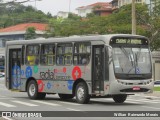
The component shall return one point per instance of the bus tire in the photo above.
(119, 98)
(65, 96)
(32, 91)
(81, 92)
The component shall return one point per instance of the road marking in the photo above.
(6, 105)
(144, 100)
(111, 100)
(6, 98)
(2, 96)
(47, 103)
(23, 103)
(69, 103)
(73, 109)
(150, 107)
(7, 118)
(146, 96)
(127, 101)
(151, 97)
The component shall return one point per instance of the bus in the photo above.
(1, 63)
(84, 67)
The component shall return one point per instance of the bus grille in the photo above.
(131, 90)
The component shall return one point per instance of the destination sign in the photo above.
(129, 41)
(132, 41)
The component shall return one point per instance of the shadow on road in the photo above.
(92, 102)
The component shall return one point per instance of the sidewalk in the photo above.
(154, 94)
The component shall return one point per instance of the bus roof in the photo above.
(105, 38)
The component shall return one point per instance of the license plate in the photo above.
(136, 88)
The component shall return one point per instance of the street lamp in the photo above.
(133, 18)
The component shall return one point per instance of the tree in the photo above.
(73, 16)
(16, 13)
(118, 22)
(154, 27)
(30, 33)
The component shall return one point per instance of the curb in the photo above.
(155, 94)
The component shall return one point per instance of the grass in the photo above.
(156, 88)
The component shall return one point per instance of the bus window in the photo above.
(48, 54)
(32, 53)
(1, 63)
(64, 54)
(82, 53)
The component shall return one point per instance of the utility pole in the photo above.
(69, 6)
(133, 18)
(35, 2)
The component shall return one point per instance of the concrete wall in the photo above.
(156, 64)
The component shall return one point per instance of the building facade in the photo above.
(156, 64)
(125, 2)
(120, 3)
(18, 32)
(99, 8)
(62, 14)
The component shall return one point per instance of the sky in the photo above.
(54, 6)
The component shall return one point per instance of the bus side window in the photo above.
(32, 55)
(82, 53)
(64, 54)
(48, 54)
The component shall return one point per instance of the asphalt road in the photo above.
(16, 101)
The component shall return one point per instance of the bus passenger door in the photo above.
(15, 68)
(98, 68)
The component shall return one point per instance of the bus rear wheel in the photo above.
(65, 96)
(119, 98)
(32, 91)
(81, 92)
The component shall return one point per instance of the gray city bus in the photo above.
(84, 67)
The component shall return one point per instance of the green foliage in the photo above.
(90, 15)
(30, 33)
(118, 22)
(148, 22)
(153, 27)
(16, 13)
(73, 16)
(156, 88)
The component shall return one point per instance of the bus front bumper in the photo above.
(131, 87)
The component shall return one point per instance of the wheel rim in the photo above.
(32, 89)
(80, 93)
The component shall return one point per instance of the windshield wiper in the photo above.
(126, 54)
(138, 56)
(132, 61)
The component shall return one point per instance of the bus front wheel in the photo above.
(82, 95)
(32, 90)
(119, 98)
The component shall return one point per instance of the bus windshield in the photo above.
(132, 61)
